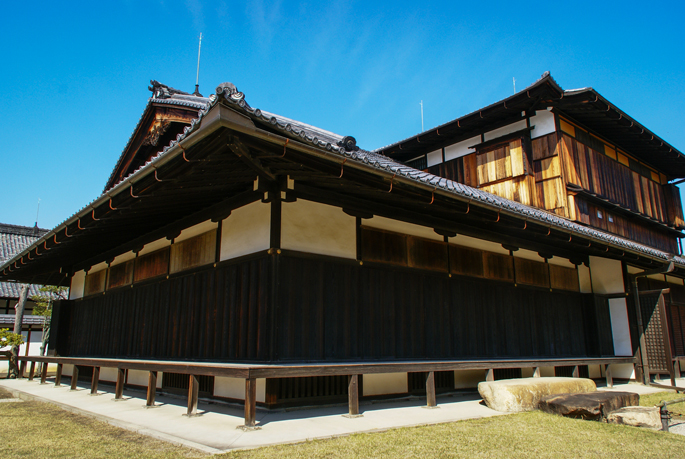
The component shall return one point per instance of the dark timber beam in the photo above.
(353, 396)
(119, 389)
(32, 371)
(43, 373)
(250, 402)
(431, 401)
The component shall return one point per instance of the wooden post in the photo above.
(193, 390)
(22, 365)
(353, 395)
(536, 372)
(94, 381)
(58, 375)
(430, 390)
(151, 388)
(609, 376)
(119, 389)
(74, 377)
(490, 375)
(44, 373)
(576, 372)
(676, 367)
(32, 371)
(250, 402)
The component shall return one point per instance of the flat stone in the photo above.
(524, 394)
(595, 405)
(637, 416)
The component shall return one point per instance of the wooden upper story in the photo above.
(568, 152)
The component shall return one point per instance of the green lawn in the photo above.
(678, 409)
(43, 430)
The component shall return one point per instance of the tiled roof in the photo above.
(14, 239)
(28, 319)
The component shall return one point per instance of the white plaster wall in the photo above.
(77, 283)
(99, 267)
(504, 130)
(659, 277)
(481, 244)
(528, 255)
(386, 383)
(110, 375)
(196, 230)
(467, 379)
(247, 230)
(235, 388)
(401, 227)
(674, 280)
(584, 279)
(434, 157)
(633, 270)
(527, 372)
(546, 372)
(543, 122)
(67, 370)
(34, 344)
(594, 371)
(561, 261)
(155, 245)
(620, 329)
(124, 257)
(623, 371)
(312, 227)
(461, 148)
(137, 377)
(607, 275)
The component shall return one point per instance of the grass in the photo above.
(678, 409)
(43, 430)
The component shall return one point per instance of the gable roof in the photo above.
(585, 106)
(213, 178)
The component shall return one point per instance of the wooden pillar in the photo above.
(151, 388)
(44, 373)
(430, 390)
(353, 395)
(94, 381)
(22, 368)
(250, 402)
(490, 375)
(193, 390)
(119, 389)
(58, 376)
(74, 377)
(32, 371)
(536, 372)
(609, 376)
(576, 372)
(676, 368)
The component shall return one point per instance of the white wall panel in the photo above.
(196, 230)
(620, 328)
(504, 130)
(77, 283)
(461, 148)
(481, 244)
(402, 227)
(318, 228)
(385, 383)
(155, 245)
(607, 275)
(543, 123)
(434, 157)
(247, 230)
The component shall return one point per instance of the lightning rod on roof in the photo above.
(514, 85)
(421, 116)
(37, 210)
(197, 77)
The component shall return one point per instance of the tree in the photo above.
(11, 340)
(43, 307)
(18, 321)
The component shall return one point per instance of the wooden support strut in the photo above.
(430, 390)
(576, 372)
(94, 381)
(490, 375)
(58, 375)
(151, 389)
(353, 395)
(609, 375)
(536, 372)
(43, 373)
(32, 371)
(193, 390)
(119, 389)
(250, 402)
(74, 377)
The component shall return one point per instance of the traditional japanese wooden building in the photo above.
(513, 233)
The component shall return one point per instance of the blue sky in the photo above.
(74, 76)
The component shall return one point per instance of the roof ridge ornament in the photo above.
(162, 91)
(349, 143)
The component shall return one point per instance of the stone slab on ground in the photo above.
(524, 394)
(593, 405)
(637, 416)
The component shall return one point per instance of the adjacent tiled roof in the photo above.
(14, 239)
(28, 319)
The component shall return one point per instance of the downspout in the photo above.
(644, 363)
